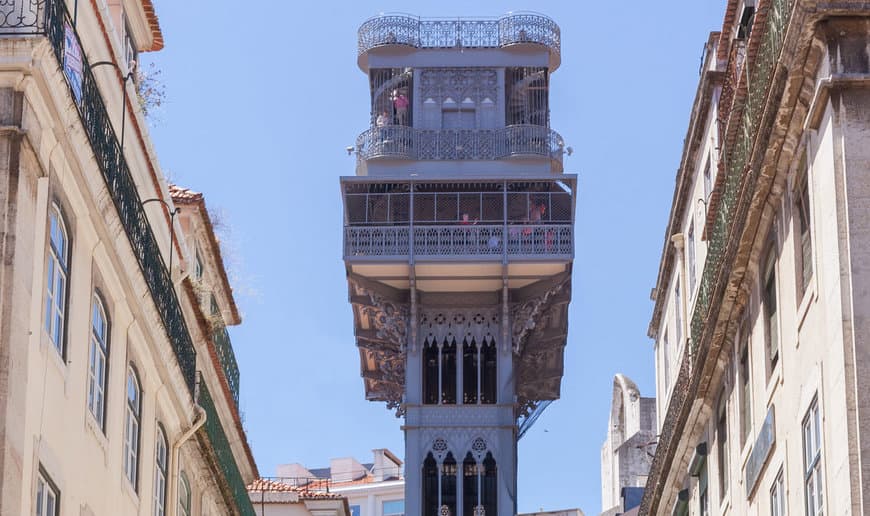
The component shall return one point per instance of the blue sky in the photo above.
(263, 98)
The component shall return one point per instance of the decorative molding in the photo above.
(458, 84)
(460, 325)
(526, 315)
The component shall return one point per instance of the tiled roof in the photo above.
(183, 195)
(308, 491)
(153, 24)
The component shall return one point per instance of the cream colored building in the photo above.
(761, 324)
(118, 385)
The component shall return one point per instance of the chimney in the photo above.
(386, 465)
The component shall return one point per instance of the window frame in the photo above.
(161, 471)
(723, 458)
(769, 290)
(803, 228)
(57, 262)
(132, 415)
(44, 484)
(98, 344)
(184, 495)
(777, 495)
(384, 507)
(811, 424)
(744, 381)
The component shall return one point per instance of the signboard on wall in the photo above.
(760, 451)
(72, 61)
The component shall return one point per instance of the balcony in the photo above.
(227, 358)
(486, 221)
(415, 32)
(410, 143)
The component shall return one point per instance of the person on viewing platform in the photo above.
(383, 119)
(400, 103)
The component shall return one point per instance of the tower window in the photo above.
(479, 363)
(439, 373)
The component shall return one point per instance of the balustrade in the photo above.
(397, 141)
(514, 28)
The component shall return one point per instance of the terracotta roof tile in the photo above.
(153, 24)
(183, 195)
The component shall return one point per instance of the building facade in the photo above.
(118, 393)
(760, 320)
(458, 245)
(628, 450)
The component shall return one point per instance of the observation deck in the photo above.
(517, 30)
(398, 142)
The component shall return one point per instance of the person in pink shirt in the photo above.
(400, 103)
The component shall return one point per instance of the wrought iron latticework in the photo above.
(750, 69)
(223, 454)
(511, 29)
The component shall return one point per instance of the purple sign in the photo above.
(72, 61)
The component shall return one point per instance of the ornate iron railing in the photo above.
(227, 358)
(50, 18)
(214, 431)
(476, 241)
(402, 29)
(397, 141)
(58, 27)
(739, 184)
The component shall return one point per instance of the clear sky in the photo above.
(262, 99)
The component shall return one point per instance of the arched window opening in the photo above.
(471, 479)
(470, 372)
(439, 373)
(160, 470)
(489, 362)
(183, 496)
(479, 372)
(57, 276)
(448, 373)
(448, 487)
(98, 355)
(132, 428)
(430, 374)
(490, 485)
(430, 486)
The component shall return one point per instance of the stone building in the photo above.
(628, 450)
(118, 384)
(458, 246)
(760, 322)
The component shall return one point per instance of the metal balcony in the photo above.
(402, 142)
(416, 32)
(477, 221)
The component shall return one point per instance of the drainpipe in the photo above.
(171, 502)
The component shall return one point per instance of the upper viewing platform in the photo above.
(518, 32)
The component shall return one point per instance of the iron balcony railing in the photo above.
(740, 181)
(480, 242)
(227, 358)
(398, 141)
(51, 19)
(510, 29)
(216, 435)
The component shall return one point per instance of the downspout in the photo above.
(171, 502)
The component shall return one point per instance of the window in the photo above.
(131, 428)
(666, 361)
(354, 510)
(690, 257)
(183, 495)
(97, 360)
(678, 314)
(804, 251)
(744, 383)
(526, 96)
(439, 378)
(777, 496)
(160, 470)
(394, 508)
(722, 444)
(57, 276)
(439, 485)
(708, 180)
(197, 264)
(812, 441)
(478, 371)
(703, 498)
(771, 321)
(131, 52)
(47, 496)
